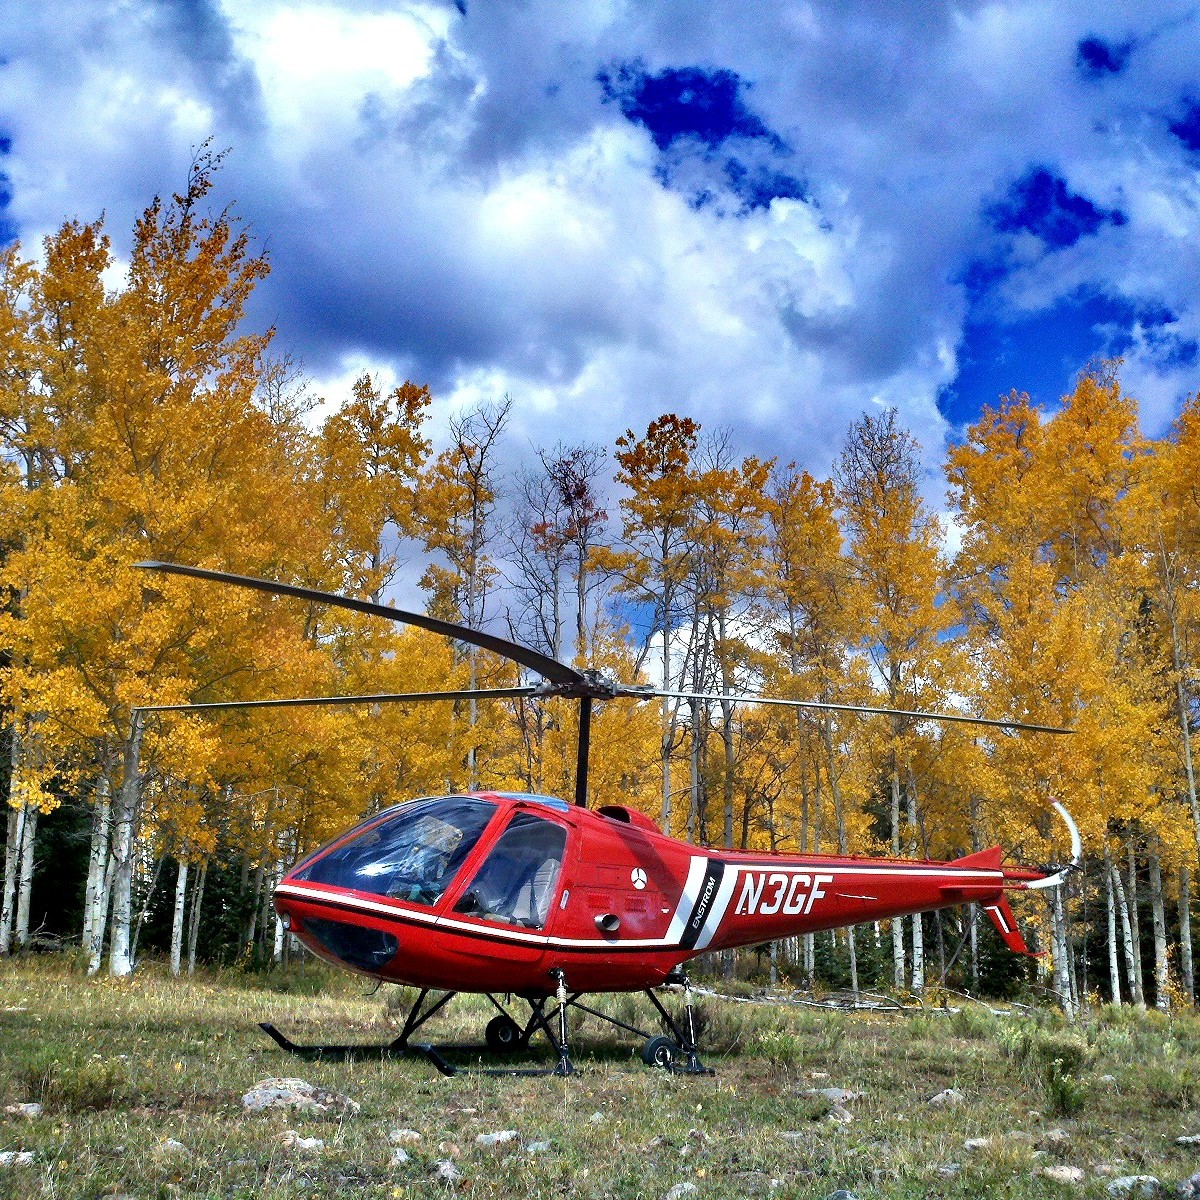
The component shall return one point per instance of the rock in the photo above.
(404, 1137)
(172, 1146)
(1109, 1079)
(1188, 1139)
(841, 1194)
(1064, 1174)
(16, 1158)
(23, 1110)
(1136, 1187)
(682, 1189)
(500, 1138)
(834, 1094)
(299, 1095)
(538, 1147)
(1053, 1138)
(291, 1140)
(1189, 1189)
(949, 1096)
(948, 1170)
(795, 1135)
(444, 1171)
(399, 1157)
(449, 1149)
(818, 1074)
(840, 1115)
(1019, 1135)
(597, 1118)
(976, 1144)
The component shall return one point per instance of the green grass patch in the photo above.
(141, 1083)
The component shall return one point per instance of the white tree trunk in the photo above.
(12, 860)
(918, 926)
(177, 917)
(898, 956)
(1131, 963)
(120, 960)
(12, 843)
(103, 903)
(25, 876)
(1135, 917)
(1061, 951)
(278, 930)
(194, 917)
(1110, 901)
(1185, 934)
(1162, 973)
(93, 916)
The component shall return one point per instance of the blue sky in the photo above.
(769, 217)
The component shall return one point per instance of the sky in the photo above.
(769, 217)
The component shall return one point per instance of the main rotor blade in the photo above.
(851, 708)
(543, 664)
(383, 698)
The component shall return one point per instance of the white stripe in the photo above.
(691, 890)
(1001, 919)
(715, 914)
(498, 932)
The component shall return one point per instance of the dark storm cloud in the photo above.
(198, 34)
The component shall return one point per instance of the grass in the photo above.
(125, 1068)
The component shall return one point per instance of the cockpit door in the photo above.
(513, 894)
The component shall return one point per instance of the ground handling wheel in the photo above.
(660, 1052)
(502, 1034)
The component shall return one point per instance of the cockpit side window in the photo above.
(412, 856)
(518, 878)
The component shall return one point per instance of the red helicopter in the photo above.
(522, 895)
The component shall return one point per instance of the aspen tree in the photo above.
(652, 559)
(895, 547)
(458, 522)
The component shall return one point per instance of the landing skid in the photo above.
(677, 1052)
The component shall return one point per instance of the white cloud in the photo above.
(451, 197)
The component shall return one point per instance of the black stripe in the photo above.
(713, 871)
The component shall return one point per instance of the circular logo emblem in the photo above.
(638, 878)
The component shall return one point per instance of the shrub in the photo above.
(74, 1085)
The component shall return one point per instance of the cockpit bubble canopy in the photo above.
(412, 855)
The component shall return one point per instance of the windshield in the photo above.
(413, 855)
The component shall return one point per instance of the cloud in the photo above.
(610, 211)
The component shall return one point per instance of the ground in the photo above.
(141, 1081)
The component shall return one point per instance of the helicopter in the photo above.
(522, 895)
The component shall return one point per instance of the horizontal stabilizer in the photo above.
(1006, 926)
(989, 858)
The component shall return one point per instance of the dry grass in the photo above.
(122, 1068)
